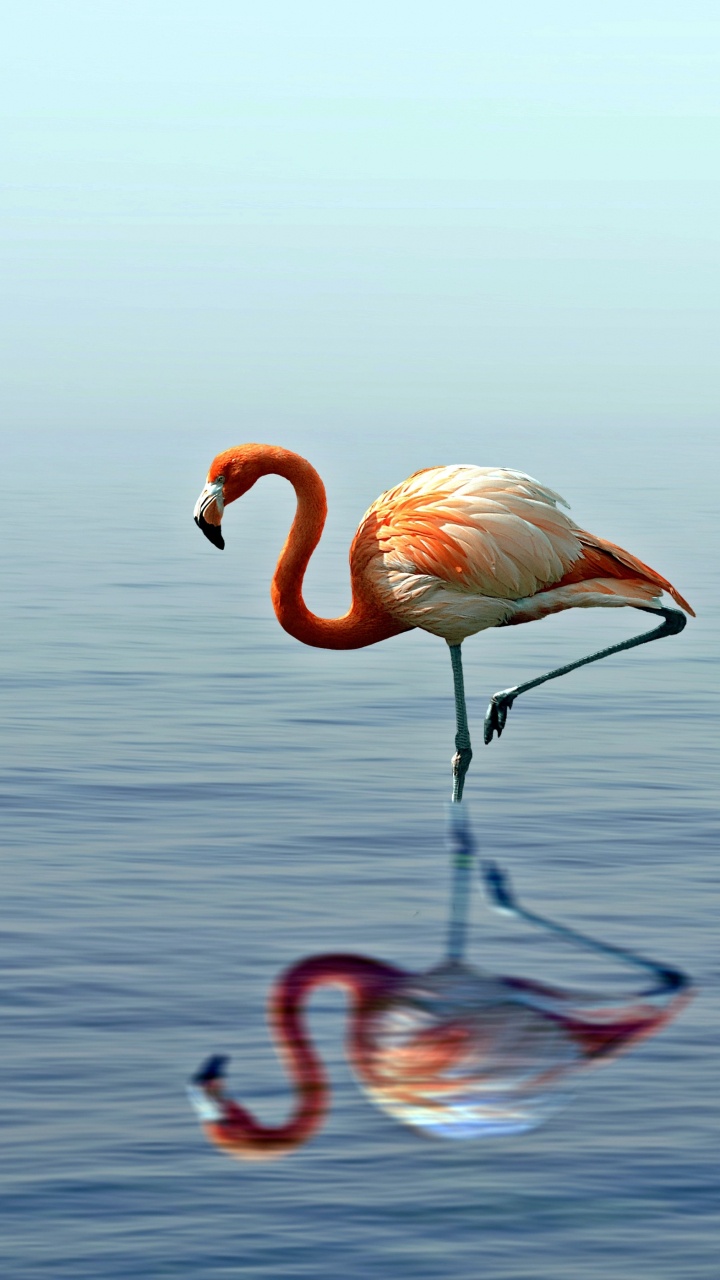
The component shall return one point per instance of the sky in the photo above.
(367, 218)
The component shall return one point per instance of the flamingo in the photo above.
(457, 1052)
(452, 550)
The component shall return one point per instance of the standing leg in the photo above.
(463, 750)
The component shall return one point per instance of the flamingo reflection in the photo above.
(456, 1052)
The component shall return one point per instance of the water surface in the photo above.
(191, 801)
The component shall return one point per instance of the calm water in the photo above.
(191, 801)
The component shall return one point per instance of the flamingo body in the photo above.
(453, 1053)
(453, 550)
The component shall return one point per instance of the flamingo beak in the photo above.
(205, 1088)
(209, 510)
(207, 1110)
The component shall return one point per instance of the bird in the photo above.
(452, 550)
(456, 1052)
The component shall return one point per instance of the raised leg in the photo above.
(500, 703)
(502, 898)
(463, 750)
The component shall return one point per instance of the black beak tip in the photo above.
(212, 1069)
(212, 532)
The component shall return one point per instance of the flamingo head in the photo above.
(231, 475)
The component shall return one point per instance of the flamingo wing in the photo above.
(453, 547)
(455, 550)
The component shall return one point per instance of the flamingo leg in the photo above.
(462, 852)
(502, 898)
(463, 750)
(501, 702)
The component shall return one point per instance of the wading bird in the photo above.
(453, 1053)
(453, 550)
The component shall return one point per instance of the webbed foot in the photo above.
(496, 714)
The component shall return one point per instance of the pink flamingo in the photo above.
(453, 1053)
(453, 550)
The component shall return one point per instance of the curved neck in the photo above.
(365, 622)
(365, 980)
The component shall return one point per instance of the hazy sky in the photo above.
(360, 215)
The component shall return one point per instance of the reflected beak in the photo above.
(207, 1110)
(208, 512)
(205, 1088)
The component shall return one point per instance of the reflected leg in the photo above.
(502, 898)
(462, 852)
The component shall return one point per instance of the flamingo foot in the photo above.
(496, 714)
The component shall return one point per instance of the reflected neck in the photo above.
(365, 980)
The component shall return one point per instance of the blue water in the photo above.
(192, 800)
